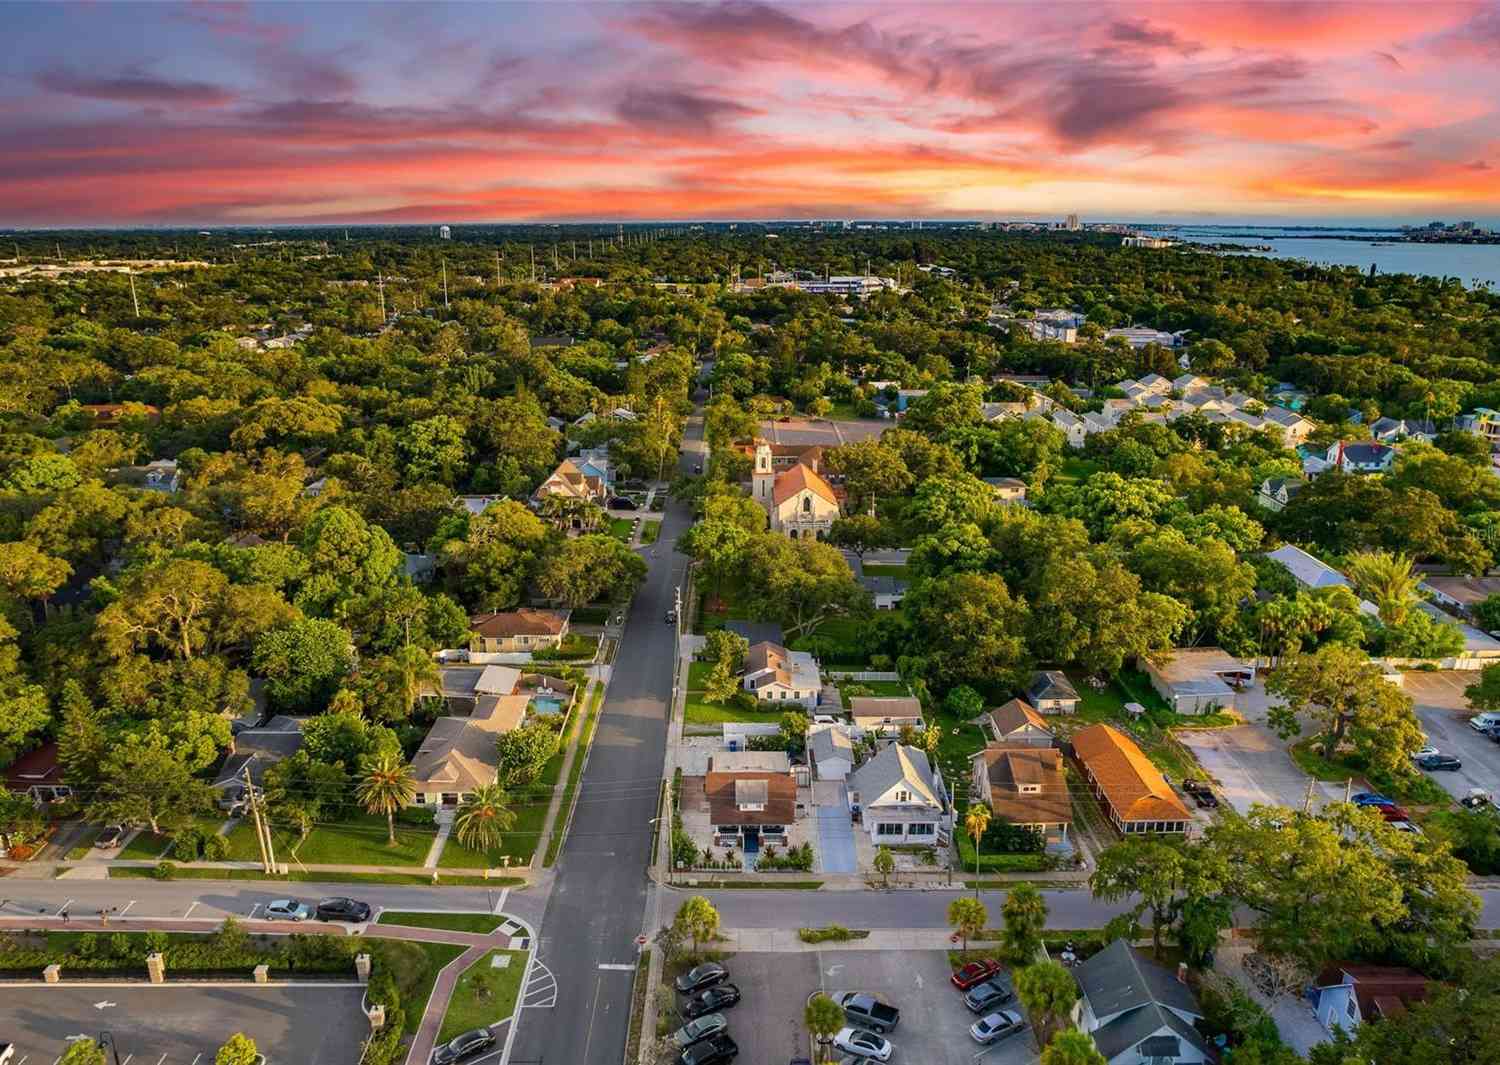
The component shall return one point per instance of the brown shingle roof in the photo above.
(1013, 715)
(797, 478)
(522, 622)
(780, 798)
(1133, 786)
(1009, 768)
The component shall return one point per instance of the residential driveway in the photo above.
(835, 827)
(1445, 713)
(179, 1025)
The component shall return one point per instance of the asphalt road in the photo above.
(175, 1024)
(599, 895)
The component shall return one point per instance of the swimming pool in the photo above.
(547, 704)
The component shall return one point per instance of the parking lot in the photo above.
(934, 1027)
(176, 1024)
(1445, 713)
(821, 431)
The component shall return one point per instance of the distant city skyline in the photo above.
(1216, 113)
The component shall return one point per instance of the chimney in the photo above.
(1182, 972)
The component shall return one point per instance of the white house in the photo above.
(1276, 492)
(1137, 1013)
(1361, 458)
(775, 674)
(1051, 692)
(901, 797)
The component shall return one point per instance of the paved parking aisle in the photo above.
(174, 1024)
(1445, 713)
(934, 1028)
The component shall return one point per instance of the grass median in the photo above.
(484, 994)
(575, 774)
(482, 923)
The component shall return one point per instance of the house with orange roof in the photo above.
(799, 501)
(1135, 796)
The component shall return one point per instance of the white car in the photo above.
(287, 910)
(1423, 752)
(866, 1044)
(996, 1026)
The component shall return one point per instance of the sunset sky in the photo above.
(116, 113)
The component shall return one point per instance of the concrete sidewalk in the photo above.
(785, 941)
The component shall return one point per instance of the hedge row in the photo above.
(215, 953)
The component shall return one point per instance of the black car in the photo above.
(710, 1000)
(1205, 799)
(342, 909)
(1439, 761)
(988, 995)
(622, 503)
(463, 1047)
(705, 975)
(715, 1051)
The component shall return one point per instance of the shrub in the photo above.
(164, 871)
(119, 945)
(215, 848)
(798, 858)
(417, 816)
(834, 933)
(187, 845)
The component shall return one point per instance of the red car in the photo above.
(975, 973)
(1394, 813)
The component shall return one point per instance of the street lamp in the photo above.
(108, 1040)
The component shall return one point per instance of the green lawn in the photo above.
(698, 675)
(885, 569)
(146, 847)
(877, 687)
(589, 615)
(1415, 789)
(483, 923)
(650, 531)
(85, 843)
(415, 967)
(468, 1008)
(519, 844)
(358, 841)
(575, 774)
(698, 712)
(1075, 469)
(575, 647)
(1154, 741)
(621, 529)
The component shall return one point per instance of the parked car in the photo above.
(1370, 798)
(287, 910)
(342, 909)
(996, 1026)
(462, 1047)
(1204, 799)
(1424, 751)
(1407, 826)
(671, 617)
(868, 1011)
(714, 1051)
(975, 973)
(859, 1041)
(697, 467)
(991, 993)
(700, 1029)
(1393, 813)
(706, 975)
(710, 1000)
(110, 838)
(622, 503)
(1477, 799)
(1484, 722)
(1436, 762)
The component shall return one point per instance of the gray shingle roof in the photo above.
(1118, 978)
(894, 765)
(1050, 684)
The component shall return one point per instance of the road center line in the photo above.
(593, 1010)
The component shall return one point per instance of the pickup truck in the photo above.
(867, 1011)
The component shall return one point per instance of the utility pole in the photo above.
(1307, 800)
(262, 830)
(1348, 788)
(135, 302)
(445, 284)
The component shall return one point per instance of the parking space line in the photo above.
(126, 910)
(200, 1053)
(190, 909)
(161, 1059)
(127, 1058)
(500, 902)
(252, 911)
(62, 908)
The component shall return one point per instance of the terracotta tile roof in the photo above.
(1008, 769)
(797, 478)
(522, 622)
(724, 791)
(1131, 784)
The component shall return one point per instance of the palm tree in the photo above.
(976, 824)
(417, 669)
(1388, 580)
(386, 788)
(484, 815)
